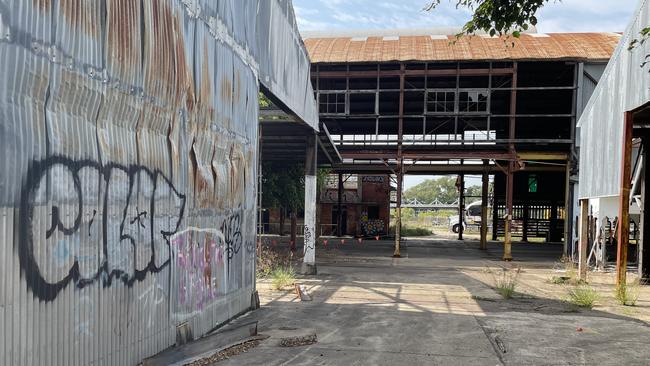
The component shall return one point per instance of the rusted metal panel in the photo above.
(128, 145)
(552, 46)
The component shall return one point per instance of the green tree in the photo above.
(283, 187)
(442, 189)
(498, 17)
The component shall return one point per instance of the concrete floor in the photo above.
(435, 306)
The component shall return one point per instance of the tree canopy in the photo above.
(442, 189)
(283, 186)
(498, 17)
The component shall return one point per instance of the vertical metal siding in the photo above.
(128, 146)
(623, 87)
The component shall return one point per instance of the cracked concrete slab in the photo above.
(435, 306)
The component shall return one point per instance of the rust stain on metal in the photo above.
(553, 46)
(226, 90)
(205, 110)
(123, 33)
(184, 82)
(237, 180)
(160, 51)
(81, 15)
(43, 4)
(237, 87)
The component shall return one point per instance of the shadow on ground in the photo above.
(424, 308)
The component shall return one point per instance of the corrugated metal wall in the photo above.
(624, 86)
(128, 150)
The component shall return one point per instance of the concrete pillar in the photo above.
(309, 244)
(583, 243)
(484, 205)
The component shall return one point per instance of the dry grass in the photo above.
(505, 280)
(583, 296)
(282, 277)
(628, 294)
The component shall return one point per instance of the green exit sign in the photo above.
(532, 183)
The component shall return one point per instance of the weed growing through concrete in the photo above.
(282, 277)
(628, 294)
(560, 280)
(583, 296)
(505, 280)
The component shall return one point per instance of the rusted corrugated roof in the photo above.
(551, 46)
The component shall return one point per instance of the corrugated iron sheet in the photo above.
(128, 146)
(623, 87)
(552, 46)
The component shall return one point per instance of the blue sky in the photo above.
(564, 16)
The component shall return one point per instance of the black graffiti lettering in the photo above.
(308, 240)
(231, 229)
(139, 219)
(128, 252)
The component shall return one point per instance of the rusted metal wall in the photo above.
(128, 150)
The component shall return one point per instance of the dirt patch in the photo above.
(298, 341)
(226, 353)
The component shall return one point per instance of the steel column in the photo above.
(644, 250)
(624, 203)
(461, 204)
(400, 171)
(339, 207)
(507, 245)
(484, 205)
(584, 239)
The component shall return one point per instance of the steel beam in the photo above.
(428, 72)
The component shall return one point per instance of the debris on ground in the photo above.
(500, 344)
(298, 341)
(301, 292)
(226, 353)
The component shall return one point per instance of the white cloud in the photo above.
(563, 16)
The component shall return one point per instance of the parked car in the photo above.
(471, 216)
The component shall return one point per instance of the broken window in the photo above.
(473, 101)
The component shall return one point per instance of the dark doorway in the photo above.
(266, 222)
(344, 221)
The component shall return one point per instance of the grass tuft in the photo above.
(505, 281)
(628, 294)
(282, 277)
(583, 296)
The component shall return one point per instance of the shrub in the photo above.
(583, 296)
(505, 281)
(628, 294)
(282, 277)
(411, 231)
(561, 280)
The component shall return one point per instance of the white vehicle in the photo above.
(472, 216)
